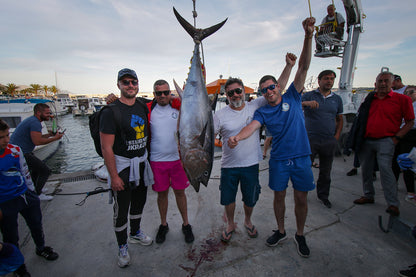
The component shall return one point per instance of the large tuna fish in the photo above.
(196, 128)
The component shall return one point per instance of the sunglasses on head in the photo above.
(230, 93)
(127, 82)
(165, 92)
(271, 87)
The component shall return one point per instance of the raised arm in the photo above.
(244, 133)
(305, 56)
(290, 63)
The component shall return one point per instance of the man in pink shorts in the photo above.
(164, 158)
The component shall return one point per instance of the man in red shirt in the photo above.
(387, 111)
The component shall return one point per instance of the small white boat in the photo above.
(64, 102)
(14, 113)
(83, 107)
(98, 103)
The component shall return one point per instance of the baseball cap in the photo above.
(397, 77)
(126, 72)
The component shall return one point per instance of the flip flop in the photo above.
(225, 235)
(316, 165)
(252, 232)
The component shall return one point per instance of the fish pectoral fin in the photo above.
(213, 101)
(201, 138)
(178, 89)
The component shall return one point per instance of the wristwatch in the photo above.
(397, 137)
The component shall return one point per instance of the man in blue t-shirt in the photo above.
(27, 135)
(323, 119)
(289, 158)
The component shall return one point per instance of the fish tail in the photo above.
(197, 34)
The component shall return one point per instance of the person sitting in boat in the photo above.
(27, 135)
(332, 23)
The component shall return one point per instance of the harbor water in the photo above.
(76, 152)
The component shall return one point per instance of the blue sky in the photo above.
(86, 42)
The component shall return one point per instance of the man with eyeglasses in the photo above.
(164, 158)
(241, 165)
(290, 154)
(124, 148)
(323, 120)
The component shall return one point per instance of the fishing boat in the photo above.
(16, 110)
(65, 102)
(98, 103)
(84, 106)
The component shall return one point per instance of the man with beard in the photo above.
(124, 148)
(241, 165)
(27, 135)
(323, 121)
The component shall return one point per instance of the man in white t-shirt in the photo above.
(241, 164)
(398, 85)
(164, 158)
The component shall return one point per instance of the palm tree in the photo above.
(45, 89)
(53, 89)
(35, 88)
(11, 88)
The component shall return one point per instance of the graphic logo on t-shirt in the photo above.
(137, 123)
(174, 115)
(285, 107)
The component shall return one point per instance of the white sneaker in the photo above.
(123, 256)
(140, 237)
(44, 197)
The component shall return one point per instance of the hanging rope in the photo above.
(195, 14)
(310, 11)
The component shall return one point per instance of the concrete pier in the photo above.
(344, 240)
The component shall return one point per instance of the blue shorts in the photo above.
(298, 170)
(248, 177)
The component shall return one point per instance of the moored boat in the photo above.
(14, 113)
(84, 106)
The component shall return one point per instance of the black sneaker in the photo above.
(22, 271)
(161, 234)
(187, 231)
(274, 239)
(47, 253)
(326, 203)
(352, 172)
(303, 249)
(408, 272)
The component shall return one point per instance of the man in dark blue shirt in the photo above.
(323, 120)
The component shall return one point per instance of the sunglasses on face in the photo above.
(230, 93)
(165, 92)
(127, 82)
(271, 87)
